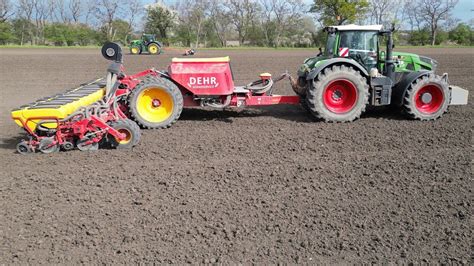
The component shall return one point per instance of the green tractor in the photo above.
(353, 72)
(147, 43)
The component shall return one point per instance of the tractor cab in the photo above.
(357, 42)
(148, 38)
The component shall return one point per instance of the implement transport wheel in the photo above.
(23, 148)
(427, 98)
(135, 50)
(153, 48)
(338, 94)
(155, 103)
(131, 131)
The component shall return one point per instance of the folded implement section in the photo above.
(58, 106)
(82, 117)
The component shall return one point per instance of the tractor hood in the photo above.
(310, 63)
(415, 62)
(135, 42)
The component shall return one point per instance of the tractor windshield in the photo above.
(330, 43)
(362, 46)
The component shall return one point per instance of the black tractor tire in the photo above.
(338, 94)
(172, 101)
(154, 48)
(131, 129)
(427, 98)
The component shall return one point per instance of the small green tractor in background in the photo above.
(354, 72)
(147, 43)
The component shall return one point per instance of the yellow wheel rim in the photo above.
(135, 50)
(153, 49)
(155, 105)
(128, 136)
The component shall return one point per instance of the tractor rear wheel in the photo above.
(155, 103)
(338, 94)
(131, 131)
(135, 50)
(153, 48)
(427, 98)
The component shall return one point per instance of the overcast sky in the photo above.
(463, 10)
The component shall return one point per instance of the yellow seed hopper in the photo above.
(59, 106)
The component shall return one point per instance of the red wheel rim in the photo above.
(429, 99)
(340, 96)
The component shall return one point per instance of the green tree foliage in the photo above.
(462, 34)
(60, 34)
(338, 12)
(6, 33)
(120, 32)
(21, 29)
(419, 37)
(159, 21)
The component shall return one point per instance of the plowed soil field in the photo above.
(262, 185)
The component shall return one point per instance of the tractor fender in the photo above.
(401, 87)
(157, 43)
(339, 61)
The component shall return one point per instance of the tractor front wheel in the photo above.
(135, 50)
(427, 98)
(131, 131)
(153, 48)
(338, 94)
(155, 103)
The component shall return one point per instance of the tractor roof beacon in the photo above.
(354, 71)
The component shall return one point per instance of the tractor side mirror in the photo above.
(112, 51)
(320, 51)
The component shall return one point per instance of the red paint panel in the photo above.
(203, 78)
(271, 100)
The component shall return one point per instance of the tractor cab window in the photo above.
(330, 43)
(147, 38)
(359, 45)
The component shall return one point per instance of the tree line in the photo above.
(221, 23)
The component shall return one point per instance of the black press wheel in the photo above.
(131, 131)
(23, 148)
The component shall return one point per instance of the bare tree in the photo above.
(267, 19)
(75, 7)
(243, 14)
(287, 14)
(279, 16)
(6, 10)
(193, 14)
(381, 10)
(106, 11)
(434, 11)
(221, 21)
(41, 15)
(411, 12)
(25, 11)
(135, 8)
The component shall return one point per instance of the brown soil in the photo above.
(252, 186)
